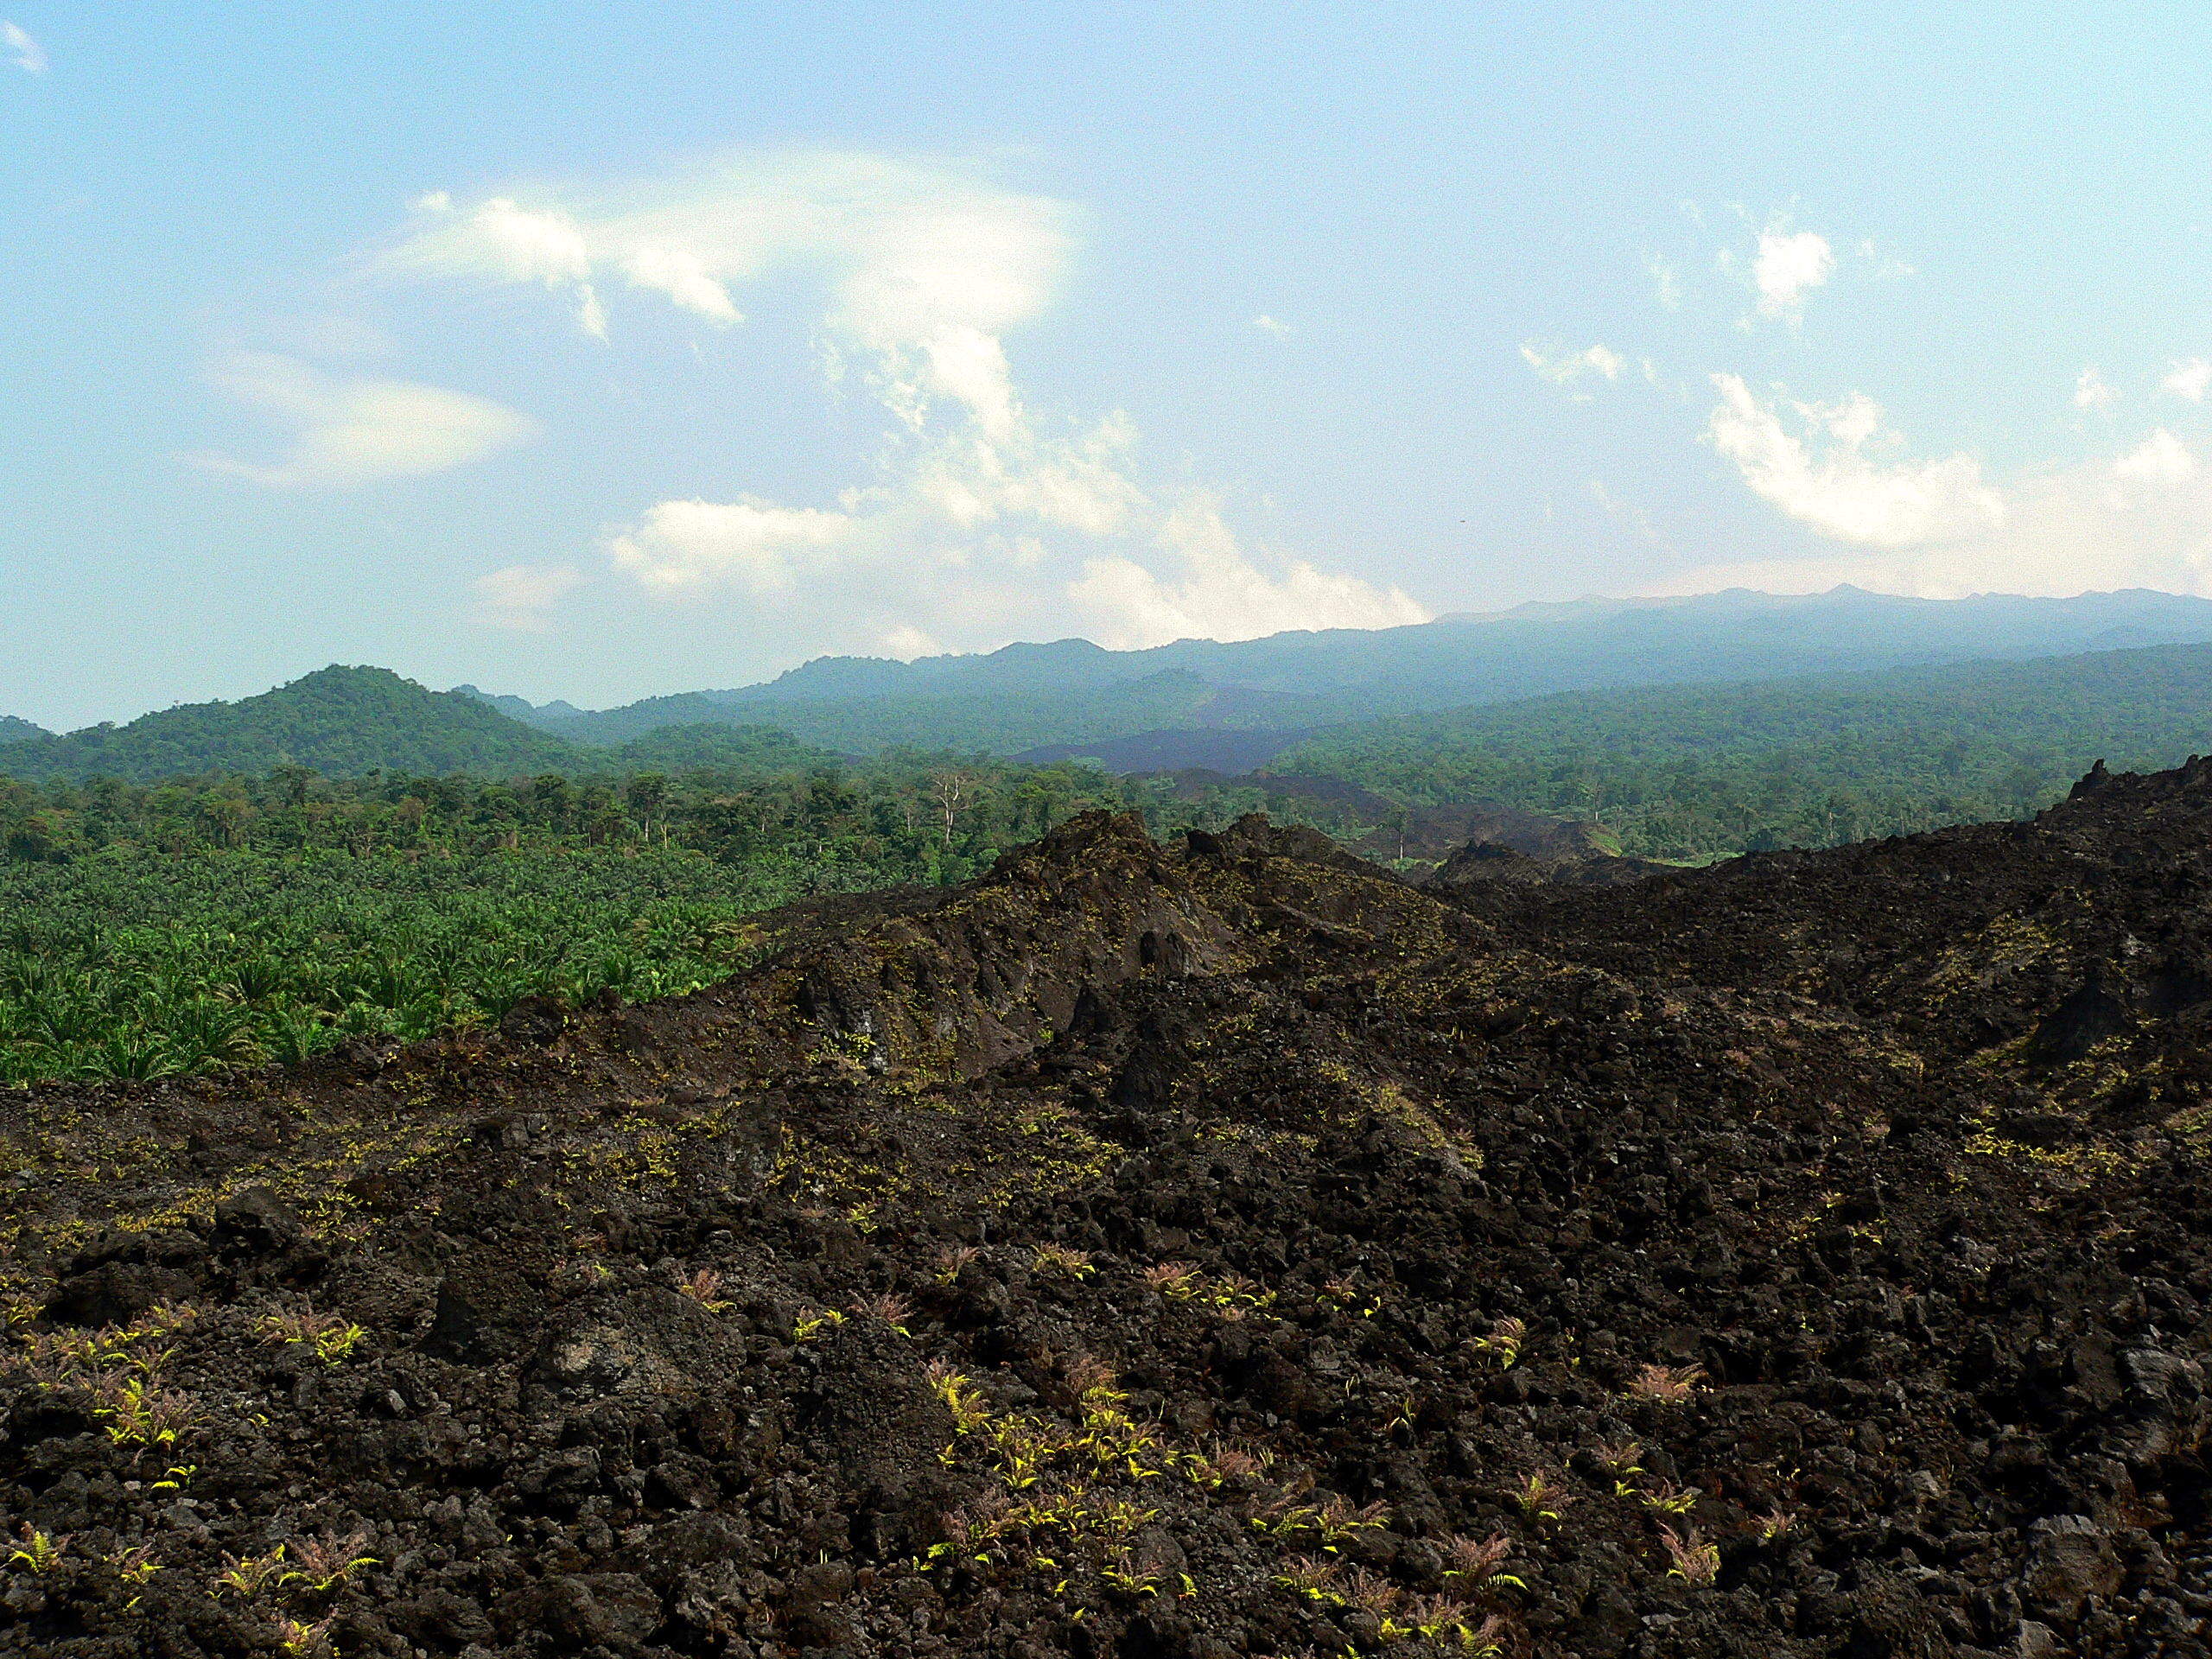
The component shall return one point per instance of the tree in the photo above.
(950, 789)
(291, 782)
(549, 792)
(647, 790)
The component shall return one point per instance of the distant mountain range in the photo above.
(1195, 704)
(1070, 695)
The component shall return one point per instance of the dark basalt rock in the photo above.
(534, 1021)
(121, 1277)
(257, 1221)
(1190, 1253)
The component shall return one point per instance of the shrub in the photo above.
(1694, 1561)
(1666, 1385)
(332, 1336)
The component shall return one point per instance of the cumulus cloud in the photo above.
(1787, 267)
(983, 520)
(2188, 379)
(757, 545)
(1267, 325)
(1565, 368)
(1669, 287)
(2162, 457)
(2140, 520)
(1844, 491)
(2090, 391)
(350, 431)
(30, 57)
(521, 597)
(1217, 593)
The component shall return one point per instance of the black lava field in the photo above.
(1179, 1252)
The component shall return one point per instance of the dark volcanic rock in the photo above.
(1229, 1251)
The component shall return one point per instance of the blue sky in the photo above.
(600, 351)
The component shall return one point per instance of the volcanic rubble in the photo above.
(1224, 1249)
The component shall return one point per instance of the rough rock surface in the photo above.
(1187, 1252)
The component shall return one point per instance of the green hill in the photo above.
(341, 721)
(347, 723)
(13, 730)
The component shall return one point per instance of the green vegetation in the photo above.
(137, 965)
(148, 931)
(1702, 771)
(344, 721)
(237, 917)
(355, 723)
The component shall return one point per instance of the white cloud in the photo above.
(2144, 520)
(522, 245)
(351, 431)
(1844, 493)
(1565, 368)
(2162, 457)
(325, 337)
(908, 642)
(30, 57)
(521, 597)
(2090, 391)
(1267, 324)
(912, 247)
(761, 547)
(1670, 291)
(683, 278)
(981, 522)
(1218, 592)
(1787, 267)
(2188, 379)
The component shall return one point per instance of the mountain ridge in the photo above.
(1303, 678)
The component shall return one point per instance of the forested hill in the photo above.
(339, 721)
(1073, 691)
(347, 723)
(1692, 770)
(13, 730)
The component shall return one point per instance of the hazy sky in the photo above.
(600, 351)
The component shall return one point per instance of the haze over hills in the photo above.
(1072, 691)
